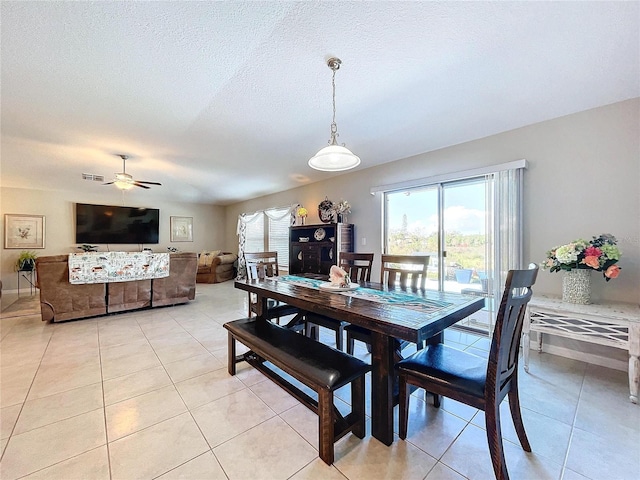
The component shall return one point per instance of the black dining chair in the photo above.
(261, 265)
(408, 272)
(479, 382)
(358, 267)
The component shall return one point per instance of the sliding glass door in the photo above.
(454, 223)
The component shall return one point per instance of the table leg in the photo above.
(382, 382)
(436, 339)
(261, 306)
(634, 362)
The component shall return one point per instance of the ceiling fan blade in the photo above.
(149, 183)
(109, 183)
(137, 184)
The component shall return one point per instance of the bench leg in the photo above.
(231, 353)
(357, 406)
(326, 425)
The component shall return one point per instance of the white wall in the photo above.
(583, 179)
(58, 209)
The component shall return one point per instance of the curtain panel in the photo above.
(278, 213)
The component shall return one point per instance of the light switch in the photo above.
(364, 241)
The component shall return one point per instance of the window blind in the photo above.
(278, 239)
(255, 235)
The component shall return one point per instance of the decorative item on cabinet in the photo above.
(325, 210)
(341, 209)
(302, 213)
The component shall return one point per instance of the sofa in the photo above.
(60, 300)
(216, 266)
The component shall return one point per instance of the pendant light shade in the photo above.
(334, 158)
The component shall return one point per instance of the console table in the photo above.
(613, 324)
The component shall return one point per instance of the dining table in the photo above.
(390, 314)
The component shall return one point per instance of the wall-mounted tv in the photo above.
(112, 224)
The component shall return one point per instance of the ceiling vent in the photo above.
(95, 178)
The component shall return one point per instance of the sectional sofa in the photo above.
(60, 300)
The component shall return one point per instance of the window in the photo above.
(278, 234)
(255, 235)
(265, 230)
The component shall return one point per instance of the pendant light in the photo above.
(334, 158)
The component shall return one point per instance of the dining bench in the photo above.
(316, 365)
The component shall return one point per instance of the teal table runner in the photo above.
(390, 297)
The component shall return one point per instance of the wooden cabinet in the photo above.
(314, 248)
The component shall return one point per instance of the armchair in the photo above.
(216, 267)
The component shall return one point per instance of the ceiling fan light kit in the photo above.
(124, 181)
(334, 158)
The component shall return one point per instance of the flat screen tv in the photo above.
(112, 224)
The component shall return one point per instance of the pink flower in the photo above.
(612, 272)
(592, 252)
(592, 261)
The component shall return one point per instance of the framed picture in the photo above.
(23, 231)
(182, 229)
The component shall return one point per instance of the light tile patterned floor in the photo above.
(147, 395)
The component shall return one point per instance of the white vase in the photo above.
(576, 286)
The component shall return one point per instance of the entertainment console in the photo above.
(60, 300)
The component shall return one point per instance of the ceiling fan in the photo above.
(124, 181)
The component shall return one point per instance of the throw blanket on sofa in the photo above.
(105, 267)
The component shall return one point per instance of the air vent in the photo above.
(95, 178)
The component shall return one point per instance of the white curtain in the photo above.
(245, 218)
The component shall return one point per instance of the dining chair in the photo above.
(479, 382)
(259, 266)
(397, 271)
(404, 271)
(358, 267)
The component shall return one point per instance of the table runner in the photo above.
(389, 297)
(106, 267)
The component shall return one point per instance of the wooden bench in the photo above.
(318, 366)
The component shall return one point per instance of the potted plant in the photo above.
(26, 261)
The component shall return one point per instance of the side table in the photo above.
(29, 276)
(613, 324)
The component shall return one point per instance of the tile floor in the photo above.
(147, 395)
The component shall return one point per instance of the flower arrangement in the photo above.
(600, 254)
(342, 207)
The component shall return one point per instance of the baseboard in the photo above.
(581, 356)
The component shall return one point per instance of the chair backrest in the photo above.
(261, 264)
(406, 271)
(505, 345)
(357, 265)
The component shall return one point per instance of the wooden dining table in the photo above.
(412, 315)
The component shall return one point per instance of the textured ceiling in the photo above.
(223, 101)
